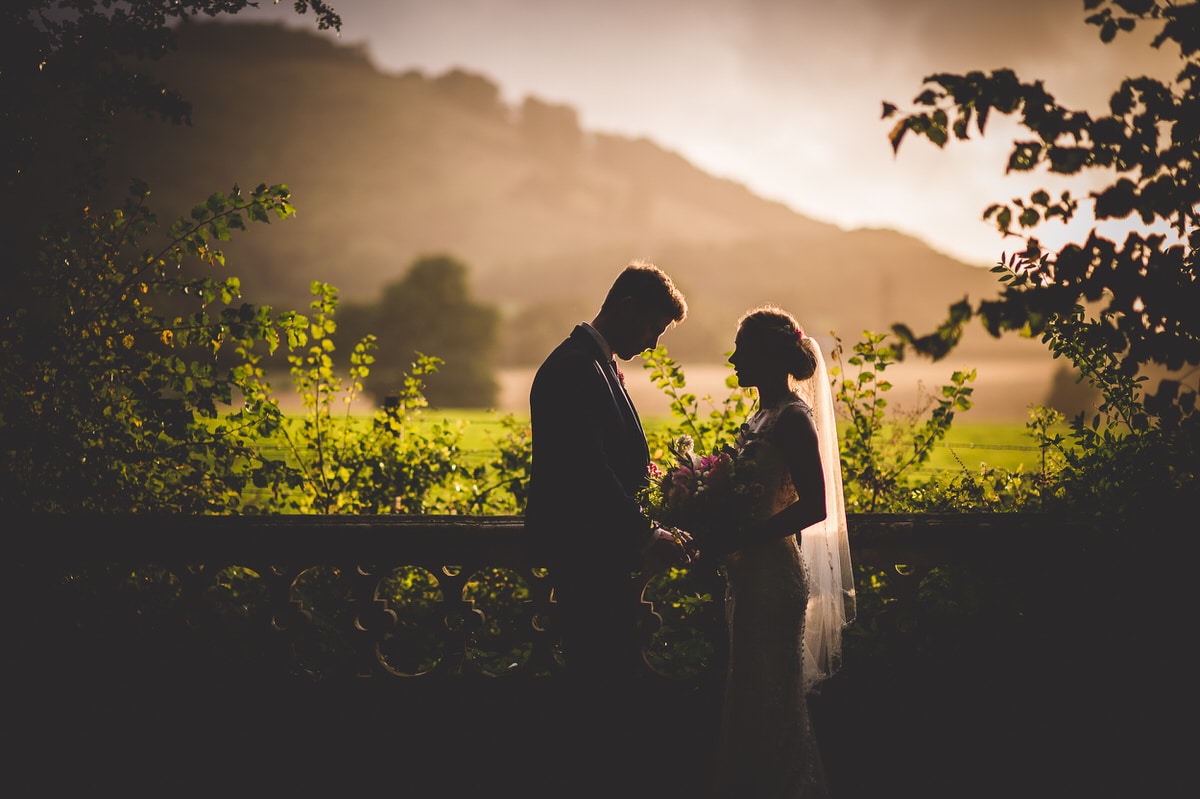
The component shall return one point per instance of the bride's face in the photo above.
(749, 361)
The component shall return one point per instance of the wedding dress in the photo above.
(767, 746)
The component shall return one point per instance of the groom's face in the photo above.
(641, 332)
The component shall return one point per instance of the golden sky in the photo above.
(783, 96)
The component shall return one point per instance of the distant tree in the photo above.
(1069, 395)
(473, 92)
(551, 129)
(429, 312)
(537, 328)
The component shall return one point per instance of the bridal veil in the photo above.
(825, 546)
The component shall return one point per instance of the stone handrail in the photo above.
(277, 654)
(182, 564)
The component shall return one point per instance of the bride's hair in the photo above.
(782, 336)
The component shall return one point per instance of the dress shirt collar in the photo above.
(605, 350)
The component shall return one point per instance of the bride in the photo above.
(789, 586)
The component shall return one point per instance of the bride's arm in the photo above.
(795, 436)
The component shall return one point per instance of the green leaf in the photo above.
(897, 134)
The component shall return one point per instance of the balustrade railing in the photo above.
(440, 624)
(431, 597)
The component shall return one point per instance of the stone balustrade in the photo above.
(415, 640)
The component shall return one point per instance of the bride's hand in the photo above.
(665, 549)
(687, 544)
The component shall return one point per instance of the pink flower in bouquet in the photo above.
(702, 494)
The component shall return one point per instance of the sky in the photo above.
(782, 96)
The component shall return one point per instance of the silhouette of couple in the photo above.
(789, 589)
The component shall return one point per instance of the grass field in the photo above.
(1002, 445)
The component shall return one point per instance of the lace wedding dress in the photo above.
(767, 747)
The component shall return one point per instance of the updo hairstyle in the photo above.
(780, 336)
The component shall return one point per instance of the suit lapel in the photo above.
(625, 400)
(620, 396)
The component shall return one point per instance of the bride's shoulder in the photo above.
(798, 406)
(796, 414)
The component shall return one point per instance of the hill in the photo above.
(388, 167)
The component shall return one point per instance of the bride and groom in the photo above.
(789, 588)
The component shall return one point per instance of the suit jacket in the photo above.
(589, 460)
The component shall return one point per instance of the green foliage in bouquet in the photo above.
(712, 497)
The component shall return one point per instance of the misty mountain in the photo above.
(385, 168)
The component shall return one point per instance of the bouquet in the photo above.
(712, 497)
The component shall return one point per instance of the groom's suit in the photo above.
(589, 459)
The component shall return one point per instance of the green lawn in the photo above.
(1002, 445)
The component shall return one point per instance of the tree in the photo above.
(1147, 287)
(551, 129)
(1111, 309)
(429, 312)
(106, 402)
(473, 92)
(67, 68)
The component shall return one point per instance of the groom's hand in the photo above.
(664, 551)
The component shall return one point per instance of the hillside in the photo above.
(385, 168)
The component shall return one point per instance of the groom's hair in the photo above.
(651, 288)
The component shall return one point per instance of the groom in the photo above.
(589, 460)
